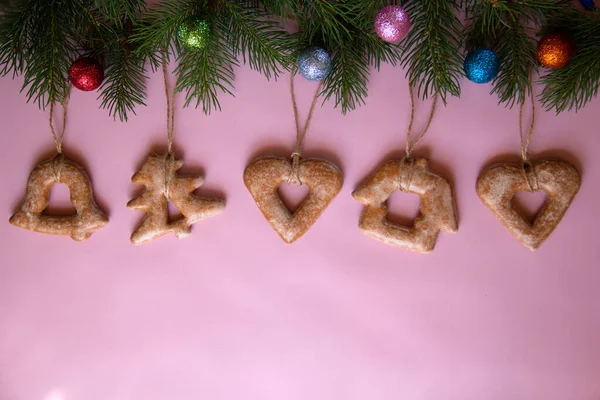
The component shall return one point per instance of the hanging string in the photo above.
(170, 95)
(58, 138)
(410, 146)
(405, 170)
(170, 157)
(530, 175)
(300, 133)
(526, 139)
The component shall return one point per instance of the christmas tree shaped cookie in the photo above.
(159, 175)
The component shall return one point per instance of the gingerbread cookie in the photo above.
(263, 176)
(159, 175)
(437, 205)
(59, 169)
(498, 184)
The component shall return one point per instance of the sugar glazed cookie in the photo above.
(159, 175)
(31, 216)
(498, 184)
(263, 176)
(438, 210)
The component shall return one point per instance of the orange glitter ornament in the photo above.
(555, 50)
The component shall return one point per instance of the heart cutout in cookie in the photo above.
(498, 184)
(264, 176)
(292, 195)
(529, 204)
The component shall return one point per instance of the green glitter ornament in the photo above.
(194, 33)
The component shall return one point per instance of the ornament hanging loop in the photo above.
(528, 170)
(411, 145)
(58, 138)
(300, 132)
(170, 96)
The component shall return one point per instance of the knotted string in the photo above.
(405, 171)
(169, 158)
(58, 138)
(525, 139)
(300, 133)
(57, 162)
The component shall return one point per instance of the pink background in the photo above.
(232, 312)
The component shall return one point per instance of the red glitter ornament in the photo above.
(555, 50)
(86, 74)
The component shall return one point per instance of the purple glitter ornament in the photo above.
(392, 23)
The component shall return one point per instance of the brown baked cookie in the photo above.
(438, 211)
(263, 176)
(498, 184)
(59, 169)
(159, 175)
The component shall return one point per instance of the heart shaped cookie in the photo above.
(498, 184)
(31, 215)
(437, 205)
(264, 175)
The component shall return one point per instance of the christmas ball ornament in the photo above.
(589, 5)
(194, 33)
(392, 23)
(481, 65)
(86, 74)
(555, 50)
(314, 63)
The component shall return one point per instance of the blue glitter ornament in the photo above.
(314, 63)
(481, 65)
(589, 5)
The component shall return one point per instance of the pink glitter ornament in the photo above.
(392, 23)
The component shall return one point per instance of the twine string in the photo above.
(169, 157)
(405, 170)
(411, 145)
(58, 137)
(300, 132)
(525, 139)
(170, 95)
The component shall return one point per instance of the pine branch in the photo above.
(261, 42)
(345, 29)
(204, 74)
(347, 83)
(119, 11)
(36, 44)
(124, 83)
(432, 56)
(576, 84)
(505, 27)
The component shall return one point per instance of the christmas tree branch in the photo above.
(204, 74)
(577, 83)
(432, 57)
(506, 28)
(261, 42)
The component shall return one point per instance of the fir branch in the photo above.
(204, 74)
(505, 28)
(345, 29)
(432, 57)
(37, 44)
(347, 83)
(124, 83)
(119, 11)
(576, 84)
(157, 30)
(261, 42)
(517, 54)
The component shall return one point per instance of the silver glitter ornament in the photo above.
(314, 63)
